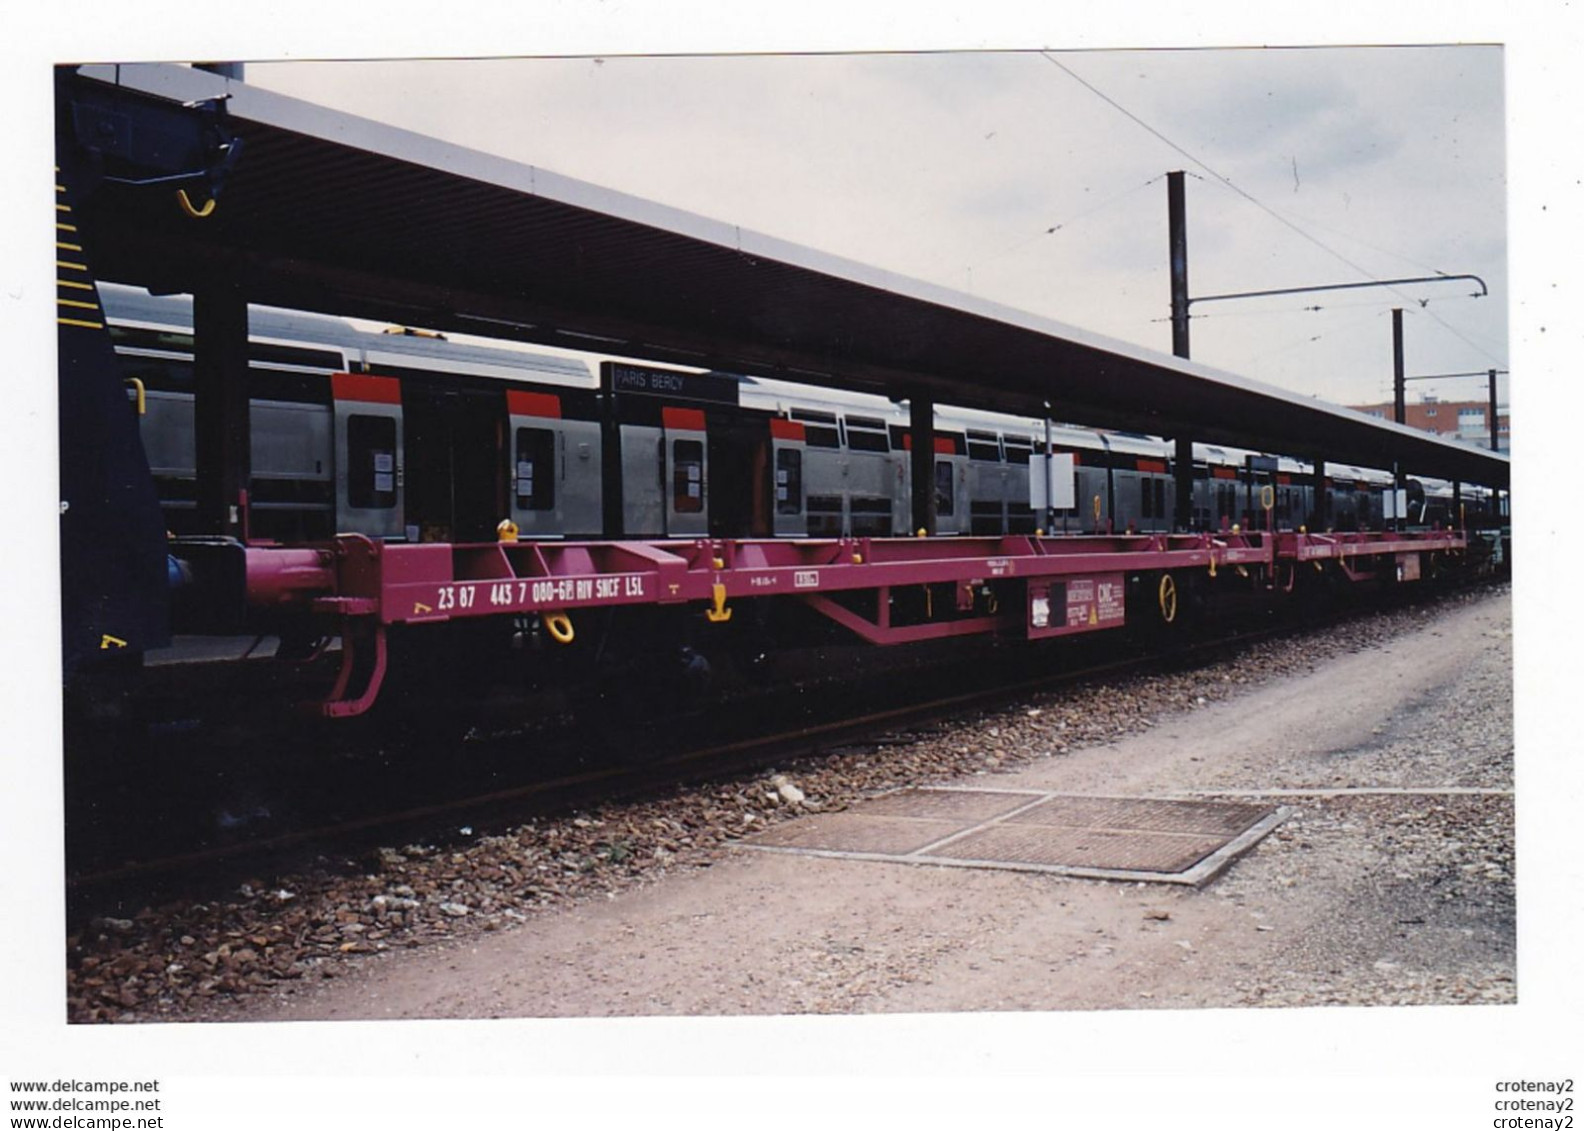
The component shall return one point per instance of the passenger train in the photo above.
(415, 436)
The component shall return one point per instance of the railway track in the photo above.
(156, 937)
(582, 766)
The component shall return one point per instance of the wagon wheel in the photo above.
(1167, 598)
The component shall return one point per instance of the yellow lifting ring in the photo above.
(1168, 598)
(559, 626)
(187, 205)
(1268, 498)
(506, 531)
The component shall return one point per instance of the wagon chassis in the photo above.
(1025, 586)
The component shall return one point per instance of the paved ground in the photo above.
(1392, 882)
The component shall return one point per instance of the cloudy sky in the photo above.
(1037, 179)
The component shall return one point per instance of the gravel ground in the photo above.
(1418, 883)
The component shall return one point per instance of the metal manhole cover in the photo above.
(1144, 814)
(949, 804)
(858, 833)
(1103, 837)
(1081, 848)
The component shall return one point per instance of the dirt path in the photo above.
(1395, 885)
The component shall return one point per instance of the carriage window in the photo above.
(1017, 451)
(371, 462)
(984, 447)
(535, 469)
(687, 476)
(789, 481)
(1146, 497)
(866, 440)
(944, 495)
(819, 428)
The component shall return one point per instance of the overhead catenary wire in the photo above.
(1023, 242)
(1224, 180)
(1308, 339)
(1246, 195)
(1411, 304)
(1355, 238)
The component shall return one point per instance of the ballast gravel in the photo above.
(1400, 860)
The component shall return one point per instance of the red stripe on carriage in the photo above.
(783, 429)
(1156, 465)
(1224, 472)
(364, 387)
(682, 419)
(520, 402)
(945, 446)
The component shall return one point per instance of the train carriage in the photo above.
(411, 436)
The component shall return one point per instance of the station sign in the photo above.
(673, 384)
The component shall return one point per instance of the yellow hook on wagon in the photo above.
(718, 613)
(196, 212)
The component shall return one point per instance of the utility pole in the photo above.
(1400, 408)
(1399, 390)
(1495, 442)
(1177, 225)
(1177, 236)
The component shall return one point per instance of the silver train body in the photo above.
(417, 437)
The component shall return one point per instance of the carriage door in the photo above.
(951, 485)
(787, 447)
(537, 461)
(684, 454)
(368, 446)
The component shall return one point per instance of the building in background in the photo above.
(1460, 420)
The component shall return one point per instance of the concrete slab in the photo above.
(1159, 840)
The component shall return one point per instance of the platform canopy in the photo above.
(327, 211)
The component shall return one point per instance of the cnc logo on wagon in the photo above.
(1095, 601)
(505, 596)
